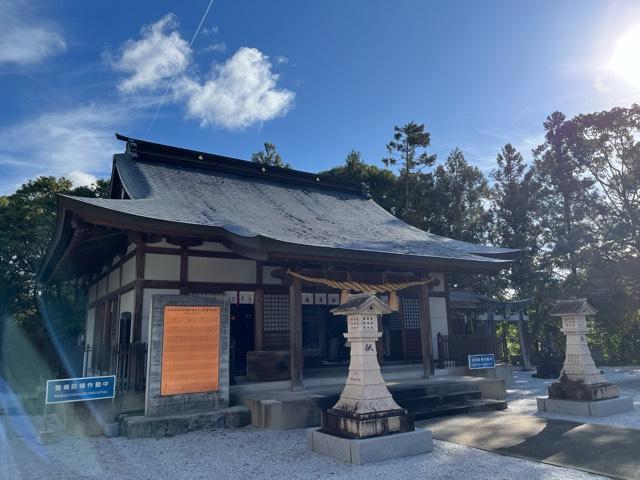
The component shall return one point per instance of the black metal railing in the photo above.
(453, 350)
(130, 361)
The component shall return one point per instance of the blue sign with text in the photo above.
(485, 360)
(80, 389)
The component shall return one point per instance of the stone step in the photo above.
(458, 408)
(421, 400)
(140, 426)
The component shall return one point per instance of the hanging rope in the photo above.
(359, 286)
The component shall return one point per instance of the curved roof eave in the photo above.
(249, 246)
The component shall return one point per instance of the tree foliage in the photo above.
(269, 156)
(27, 222)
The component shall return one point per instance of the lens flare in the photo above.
(626, 57)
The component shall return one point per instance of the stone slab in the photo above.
(141, 426)
(368, 450)
(601, 408)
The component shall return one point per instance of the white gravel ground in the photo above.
(246, 453)
(522, 396)
(254, 453)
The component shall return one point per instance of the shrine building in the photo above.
(280, 244)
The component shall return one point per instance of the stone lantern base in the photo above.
(566, 389)
(365, 425)
(600, 408)
(373, 449)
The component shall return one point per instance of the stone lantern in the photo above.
(581, 388)
(366, 424)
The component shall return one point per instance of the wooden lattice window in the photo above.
(276, 312)
(411, 313)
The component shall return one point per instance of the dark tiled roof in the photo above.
(359, 302)
(572, 306)
(291, 207)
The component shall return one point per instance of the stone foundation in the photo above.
(565, 389)
(601, 408)
(367, 450)
(353, 425)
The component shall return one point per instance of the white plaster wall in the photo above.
(146, 308)
(438, 308)
(114, 280)
(158, 266)
(441, 286)
(88, 334)
(129, 271)
(131, 247)
(102, 287)
(221, 270)
(267, 278)
(93, 290)
(211, 247)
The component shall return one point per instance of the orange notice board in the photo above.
(190, 349)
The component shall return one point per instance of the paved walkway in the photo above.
(599, 449)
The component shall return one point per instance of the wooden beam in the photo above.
(425, 331)
(295, 334)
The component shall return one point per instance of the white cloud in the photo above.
(238, 93)
(160, 54)
(215, 47)
(81, 179)
(77, 143)
(25, 41)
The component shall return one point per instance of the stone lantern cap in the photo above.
(362, 304)
(576, 306)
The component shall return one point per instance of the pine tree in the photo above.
(270, 156)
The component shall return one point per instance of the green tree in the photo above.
(566, 212)
(457, 207)
(514, 209)
(407, 151)
(27, 222)
(269, 156)
(379, 182)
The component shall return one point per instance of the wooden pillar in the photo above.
(295, 333)
(258, 319)
(137, 317)
(184, 269)
(425, 331)
(524, 348)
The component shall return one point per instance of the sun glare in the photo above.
(626, 57)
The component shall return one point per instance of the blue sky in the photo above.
(317, 78)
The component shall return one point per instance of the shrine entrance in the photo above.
(242, 337)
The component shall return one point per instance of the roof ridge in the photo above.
(211, 161)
